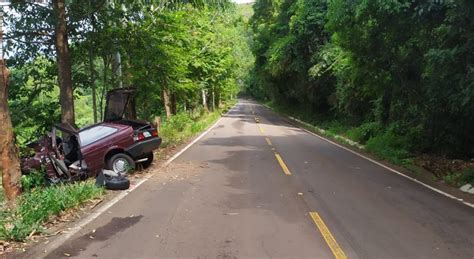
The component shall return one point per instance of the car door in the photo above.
(95, 142)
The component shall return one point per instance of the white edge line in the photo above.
(72, 231)
(388, 168)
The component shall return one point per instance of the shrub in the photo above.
(389, 146)
(467, 176)
(364, 132)
(35, 178)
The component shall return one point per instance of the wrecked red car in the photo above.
(117, 144)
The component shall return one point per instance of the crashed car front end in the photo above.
(49, 157)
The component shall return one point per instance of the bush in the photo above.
(467, 176)
(35, 178)
(364, 132)
(390, 146)
(36, 207)
(182, 126)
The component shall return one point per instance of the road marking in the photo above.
(282, 164)
(330, 240)
(268, 141)
(261, 130)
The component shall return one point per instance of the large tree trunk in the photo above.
(9, 161)
(166, 101)
(64, 63)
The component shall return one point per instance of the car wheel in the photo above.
(147, 163)
(121, 163)
(117, 183)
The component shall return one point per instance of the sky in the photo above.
(243, 1)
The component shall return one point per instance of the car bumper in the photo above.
(142, 148)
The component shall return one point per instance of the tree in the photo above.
(9, 162)
(64, 63)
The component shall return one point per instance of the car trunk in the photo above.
(120, 105)
(120, 108)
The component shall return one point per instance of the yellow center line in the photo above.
(268, 141)
(330, 240)
(282, 164)
(261, 130)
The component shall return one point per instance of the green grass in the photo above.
(183, 126)
(35, 207)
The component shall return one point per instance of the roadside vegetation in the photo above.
(394, 76)
(185, 125)
(187, 60)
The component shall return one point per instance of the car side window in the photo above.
(94, 134)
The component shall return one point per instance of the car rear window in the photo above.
(93, 134)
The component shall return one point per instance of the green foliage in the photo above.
(364, 132)
(184, 126)
(372, 64)
(389, 146)
(35, 178)
(467, 176)
(35, 207)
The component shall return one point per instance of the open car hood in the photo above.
(118, 101)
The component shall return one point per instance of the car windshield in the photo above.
(93, 134)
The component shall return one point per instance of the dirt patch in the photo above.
(442, 166)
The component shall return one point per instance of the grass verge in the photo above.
(35, 207)
(185, 125)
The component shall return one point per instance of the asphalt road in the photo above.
(271, 190)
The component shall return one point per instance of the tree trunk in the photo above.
(64, 64)
(213, 100)
(92, 75)
(104, 87)
(9, 161)
(117, 68)
(174, 105)
(386, 105)
(204, 101)
(166, 102)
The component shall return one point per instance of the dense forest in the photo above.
(399, 75)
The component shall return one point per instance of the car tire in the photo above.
(120, 163)
(147, 163)
(117, 183)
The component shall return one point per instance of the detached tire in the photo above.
(147, 163)
(120, 163)
(117, 183)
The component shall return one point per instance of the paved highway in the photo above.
(257, 187)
